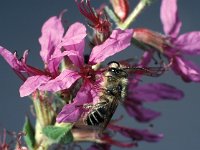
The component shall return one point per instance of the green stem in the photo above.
(41, 140)
(134, 14)
(44, 116)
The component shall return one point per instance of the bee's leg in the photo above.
(88, 106)
(104, 101)
(100, 103)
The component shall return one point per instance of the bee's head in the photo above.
(116, 70)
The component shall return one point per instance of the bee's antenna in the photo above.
(150, 71)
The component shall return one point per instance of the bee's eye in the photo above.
(109, 92)
(110, 79)
(115, 71)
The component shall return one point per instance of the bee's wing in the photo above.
(110, 111)
(148, 71)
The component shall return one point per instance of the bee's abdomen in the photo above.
(96, 116)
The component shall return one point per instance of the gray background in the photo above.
(20, 25)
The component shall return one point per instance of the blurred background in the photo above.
(20, 28)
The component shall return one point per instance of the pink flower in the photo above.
(55, 47)
(72, 47)
(187, 43)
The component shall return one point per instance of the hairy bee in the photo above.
(115, 82)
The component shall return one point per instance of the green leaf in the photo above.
(29, 138)
(59, 134)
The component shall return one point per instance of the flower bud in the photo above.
(151, 39)
(121, 8)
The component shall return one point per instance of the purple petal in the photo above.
(12, 59)
(135, 134)
(61, 82)
(118, 41)
(84, 95)
(72, 112)
(75, 35)
(188, 43)
(52, 33)
(186, 69)
(73, 55)
(140, 113)
(118, 143)
(73, 42)
(32, 84)
(146, 59)
(169, 17)
(69, 113)
(155, 92)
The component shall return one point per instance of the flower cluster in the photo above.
(76, 82)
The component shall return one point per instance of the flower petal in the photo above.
(74, 42)
(155, 92)
(52, 32)
(140, 113)
(118, 41)
(69, 113)
(78, 48)
(186, 69)
(12, 59)
(188, 43)
(72, 112)
(145, 59)
(136, 134)
(75, 34)
(32, 84)
(169, 17)
(61, 82)
(73, 55)
(122, 144)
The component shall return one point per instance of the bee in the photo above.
(115, 84)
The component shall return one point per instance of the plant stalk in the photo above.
(134, 14)
(44, 116)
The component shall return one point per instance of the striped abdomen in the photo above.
(96, 115)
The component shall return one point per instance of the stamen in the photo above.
(101, 24)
